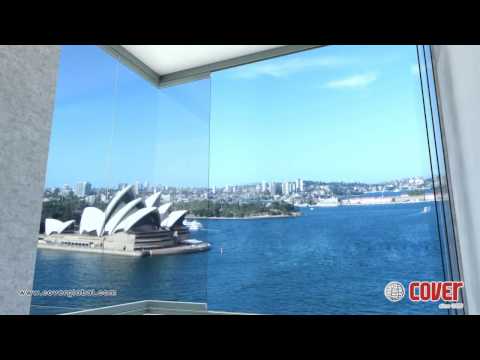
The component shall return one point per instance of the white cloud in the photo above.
(355, 81)
(414, 70)
(284, 67)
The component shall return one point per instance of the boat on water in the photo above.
(426, 209)
(193, 225)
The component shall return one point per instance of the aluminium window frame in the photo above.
(444, 199)
(199, 72)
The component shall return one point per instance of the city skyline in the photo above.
(300, 191)
(147, 184)
(339, 113)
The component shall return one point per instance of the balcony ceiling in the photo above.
(166, 65)
(168, 59)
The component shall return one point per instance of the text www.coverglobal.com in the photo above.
(68, 292)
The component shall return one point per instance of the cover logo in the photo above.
(427, 291)
(394, 291)
(448, 291)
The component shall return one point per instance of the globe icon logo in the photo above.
(394, 291)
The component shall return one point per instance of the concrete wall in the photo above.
(458, 83)
(27, 90)
(119, 241)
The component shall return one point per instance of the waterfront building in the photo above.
(153, 200)
(129, 225)
(53, 226)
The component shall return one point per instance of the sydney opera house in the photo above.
(128, 226)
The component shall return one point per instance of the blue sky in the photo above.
(346, 113)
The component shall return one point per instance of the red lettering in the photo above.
(411, 291)
(436, 290)
(447, 291)
(457, 285)
(425, 291)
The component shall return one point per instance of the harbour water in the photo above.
(327, 261)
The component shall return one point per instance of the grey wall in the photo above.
(458, 83)
(27, 90)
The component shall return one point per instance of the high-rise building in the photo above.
(275, 188)
(264, 186)
(137, 187)
(83, 189)
(300, 185)
(288, 187)
(294, 186)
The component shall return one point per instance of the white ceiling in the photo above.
(167, 59)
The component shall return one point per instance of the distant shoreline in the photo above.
(356, 202)
(243, 218)
(388, 200)
(388, 203)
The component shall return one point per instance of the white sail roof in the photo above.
(92, 219)
(120, 215)
(152, 199)
(116, 199)
(174, 218)
(163, 210)
(130, 221)
(56, 226)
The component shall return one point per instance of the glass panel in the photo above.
(78, 152)
(324, 157)
(160, 145)
(124, 149)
